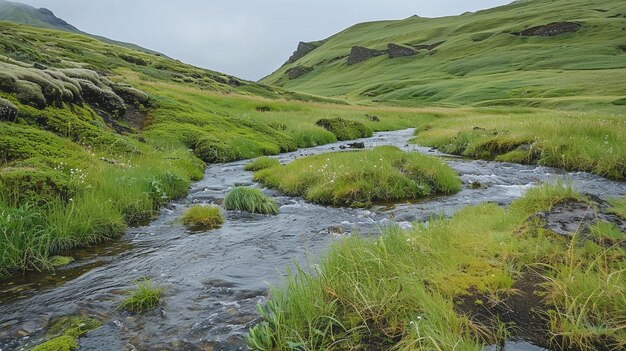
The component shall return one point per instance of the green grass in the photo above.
(206, 217)
(249, 200)
(359, 178)
(261, 163)
(399, 289)
(145, 297)
(480, 63)
(589, 142)
(618, 206)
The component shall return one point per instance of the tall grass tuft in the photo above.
(145, 297)
(249, 200)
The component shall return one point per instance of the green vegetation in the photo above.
(481, 61)
(58, 261)
(359, 178)
(64, 332)
(60, 343)
(345, 130)
(145, 297)
(100, 139)
(261, 163)
(249, 200)
(403, 289)
(579, 141)
(205, 217)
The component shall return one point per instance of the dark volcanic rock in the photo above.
(298, 71)
(360, 54)
(550, 30)
(396, 50)
(8, 111)
(302, 50)
(571, 217)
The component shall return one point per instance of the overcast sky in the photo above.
(245, 38)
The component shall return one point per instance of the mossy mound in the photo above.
(357, 179)
(8, 111)
(345, 129)
(64, 332)
(59, 261)
(60, 343)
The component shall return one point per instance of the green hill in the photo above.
(44, 18)
(497, 57)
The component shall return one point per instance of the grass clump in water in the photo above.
(261, 163)
(206, 217)
(145, 297)
(249, 200)
(359, 178)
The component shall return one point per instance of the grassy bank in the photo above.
(592, 142)
(359, 178)
(404, 289)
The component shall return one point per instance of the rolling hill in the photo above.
(43, 18)
(557, 54)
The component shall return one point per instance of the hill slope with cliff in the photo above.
(564, 54)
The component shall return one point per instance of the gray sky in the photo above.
(245, 38)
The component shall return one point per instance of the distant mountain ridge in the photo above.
(43, 18)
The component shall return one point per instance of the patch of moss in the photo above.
(60, 343)
(58, 261)
(74, 326)
(345, 129)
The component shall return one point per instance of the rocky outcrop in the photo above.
(396, 50)
(42, 87)
(359, 54)
(302, 50)
(298, 71)
(8, 111)
(550, 30)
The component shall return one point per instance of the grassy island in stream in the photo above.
(443, 286)
(359, 178)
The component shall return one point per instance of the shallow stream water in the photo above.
(215, 279)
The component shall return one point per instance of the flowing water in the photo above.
(215, 279)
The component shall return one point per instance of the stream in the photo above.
(214, 280)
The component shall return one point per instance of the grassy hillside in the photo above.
(94, 137)
(484, 59)
(43, 18)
